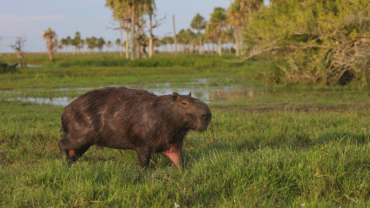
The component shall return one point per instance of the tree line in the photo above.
(310, 41)
(223, 29)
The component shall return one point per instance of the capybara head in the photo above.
(191, 112)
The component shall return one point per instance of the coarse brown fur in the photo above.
(123, 118)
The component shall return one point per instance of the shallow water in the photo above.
(198, 88)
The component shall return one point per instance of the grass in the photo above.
(274, 159)
(101, 70)
(305, 149)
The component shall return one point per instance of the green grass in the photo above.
(78, 71)
(246, 159)
(306, 150)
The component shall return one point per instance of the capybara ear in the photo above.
(175, 96)
(190, 94)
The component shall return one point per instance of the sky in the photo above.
(89, 17)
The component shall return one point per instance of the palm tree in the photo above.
(59, 47)
(118, 42)
(76, 40)
(109, 45)
(126, 10)
(100, 43)
(236, 18)
(250, 5)
(121, 13)
(69, 41)
(218, 20)
(49, 35)
(169, 40)
(91, 43)
(64, 43)
(185, 37)
(277, 1)
(210, 34)
(228, 37)
(198, 23)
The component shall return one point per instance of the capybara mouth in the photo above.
(202, 128)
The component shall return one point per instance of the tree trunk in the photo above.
(174, 33)
(133, 7)
(138, 31)
(120, 44)
(200, 43)
(241, 43)
(219, 46)
(150, 37)
(51, 55)
(236, 35)
(127, 42)
(50, 50)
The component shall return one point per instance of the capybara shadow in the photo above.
(123, 118)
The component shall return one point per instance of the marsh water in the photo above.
(199, 88)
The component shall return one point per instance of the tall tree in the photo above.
(18, 48)
(199, 23)
(250, 6)
(127, 10)
(49, 36)
(236, 18)
(64, 43)
(100, 43)
(118, 42)
(218, 20)
(109, 45)
(76, 40)
(69, 40)
(121, 14)
(210, 34)
(174, 33)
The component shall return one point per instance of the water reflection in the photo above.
(59, 101)
(198, 88)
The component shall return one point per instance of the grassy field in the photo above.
(100, 70)
(286, 148)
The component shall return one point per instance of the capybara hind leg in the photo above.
(144, 157)
(176, 158)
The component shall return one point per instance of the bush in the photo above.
(4, 68)
(320, 41)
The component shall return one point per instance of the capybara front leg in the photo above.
(63, 152)
(175, 157)
(144, 157)
(77, 153)
(71, 151)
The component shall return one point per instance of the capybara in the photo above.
(123, 118)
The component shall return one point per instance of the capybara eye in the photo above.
(204, 115)
(184, 103)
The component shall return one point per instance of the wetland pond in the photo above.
(199, 88)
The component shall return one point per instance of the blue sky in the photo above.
(89, 17)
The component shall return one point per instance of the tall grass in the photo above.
(108, 59)
(246, 159)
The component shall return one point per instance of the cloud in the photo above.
(30, 18)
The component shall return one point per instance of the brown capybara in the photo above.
(123, 118)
